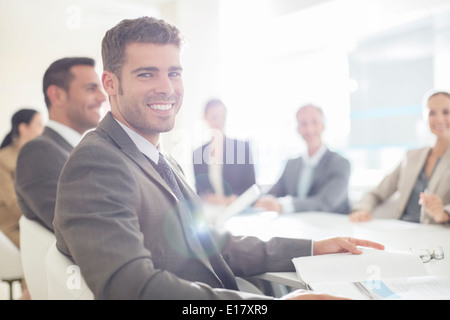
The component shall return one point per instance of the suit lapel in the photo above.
(110, 126)
(126, 145)
(439, 171)
(200, 238)
(298, 169)
(55, 136)
(321, 166)
(412, 172)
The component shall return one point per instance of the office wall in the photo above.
(393, 70)
(355, 58)
(272, 42)
(35, 33)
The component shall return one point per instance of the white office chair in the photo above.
(35, 240)
(64, 279)
(10, 263)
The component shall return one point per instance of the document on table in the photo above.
(375, 274)
(244, 201)
(219, 215)
(415, 288)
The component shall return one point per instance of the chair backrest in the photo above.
(10, 262)
(64, 279)
(35, 240)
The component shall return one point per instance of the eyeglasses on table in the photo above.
(427, 255)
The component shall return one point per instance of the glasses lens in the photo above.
(438, 253)
(424, 255)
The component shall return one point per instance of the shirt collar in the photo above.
(70, 135)
(315, 158)
(144, 146)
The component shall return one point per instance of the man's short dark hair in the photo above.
(140, 30)
(58, 73)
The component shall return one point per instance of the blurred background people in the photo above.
(73, 95)
(421, 180)
(223, 167)
(26, 124)
(315, 181)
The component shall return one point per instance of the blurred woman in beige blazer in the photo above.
(422, 179)
(26, 124)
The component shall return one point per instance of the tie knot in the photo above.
(168, 176)
(162, 163)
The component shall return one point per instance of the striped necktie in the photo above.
(166, 173)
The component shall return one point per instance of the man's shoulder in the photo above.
(200, 149)
(198, 152)
(335, 156)
(335, 161)
(95, 142)
(45, 145)
(49, 138)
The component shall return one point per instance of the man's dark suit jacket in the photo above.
(39, 165)
(238, 169)
(329, 184)
(132, 239)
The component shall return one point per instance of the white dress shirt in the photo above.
(144, 146)
(70, 135)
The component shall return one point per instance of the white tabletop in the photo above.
(394, 234)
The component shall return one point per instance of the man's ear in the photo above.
(110, 83)
(55, 94)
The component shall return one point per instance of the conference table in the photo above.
(393, 234)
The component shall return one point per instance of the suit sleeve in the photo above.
(249, 256)
(97, 216)
(37, 174)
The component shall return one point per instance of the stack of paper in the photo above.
(375, 274)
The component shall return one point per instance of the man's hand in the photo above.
(269, 203)
(339, 245)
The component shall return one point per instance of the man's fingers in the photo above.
(366, 243)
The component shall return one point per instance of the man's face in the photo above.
(150, 91)
(310, 125)
(84, 99)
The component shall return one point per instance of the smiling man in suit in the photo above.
(126, 215)
(316, 181)
(73, 95)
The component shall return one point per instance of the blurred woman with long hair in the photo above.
(26, 124)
